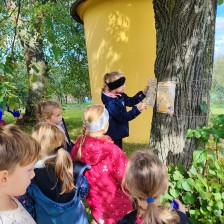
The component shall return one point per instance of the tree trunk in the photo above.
(38, 73)
(66, 99)
(36, 64)
(185, 49)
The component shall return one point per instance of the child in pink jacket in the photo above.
(106, 199)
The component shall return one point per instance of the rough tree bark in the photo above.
(185, 49)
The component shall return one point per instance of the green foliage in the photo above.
(9, 91)
(62, 43)
(65, 50)
(214, 131)
(217, 90)
(201, 187)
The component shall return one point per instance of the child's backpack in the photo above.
(51, 212)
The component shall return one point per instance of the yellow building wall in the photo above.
(120, 35)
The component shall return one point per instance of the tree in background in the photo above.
(185, 52)
(42, 36)
(217, 91)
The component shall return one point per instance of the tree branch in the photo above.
(17, 18)
(7, 16)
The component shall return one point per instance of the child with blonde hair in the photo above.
(145, 180)
(115, 100)
(51, 112)
(56, 194)
(106, 200)
(18, 154)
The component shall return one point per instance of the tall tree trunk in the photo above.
(185, 49)
(37, 69)
(37, 66)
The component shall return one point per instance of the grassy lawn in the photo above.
(216, 109)
(72, 114)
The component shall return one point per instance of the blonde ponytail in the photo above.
(64, 170)
(52, 141)
(152, 215)
(159, 215)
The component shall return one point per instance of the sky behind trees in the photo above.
(219, 31)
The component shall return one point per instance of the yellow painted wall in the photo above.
(120, 35)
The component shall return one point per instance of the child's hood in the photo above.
(95, 150)
(51, 208)
(48, 211)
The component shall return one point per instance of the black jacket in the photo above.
(130, 218)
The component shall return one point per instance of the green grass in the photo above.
(216, 109)
(129, 148)
(73, 113)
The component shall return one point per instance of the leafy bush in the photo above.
(201, 187)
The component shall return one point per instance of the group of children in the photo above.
(95, 168)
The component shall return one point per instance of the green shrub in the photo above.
(201, 187)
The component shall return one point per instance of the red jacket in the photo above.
(106, 200)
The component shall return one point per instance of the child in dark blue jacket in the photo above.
(115, 100)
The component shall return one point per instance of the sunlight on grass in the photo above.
(73, 113)
(216, 109)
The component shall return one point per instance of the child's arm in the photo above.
(28, 203)
(1, 113)
(180, 206)
(15, 113)
(131, 101)
(119, 113)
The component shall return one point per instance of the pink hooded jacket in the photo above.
(106, 200)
